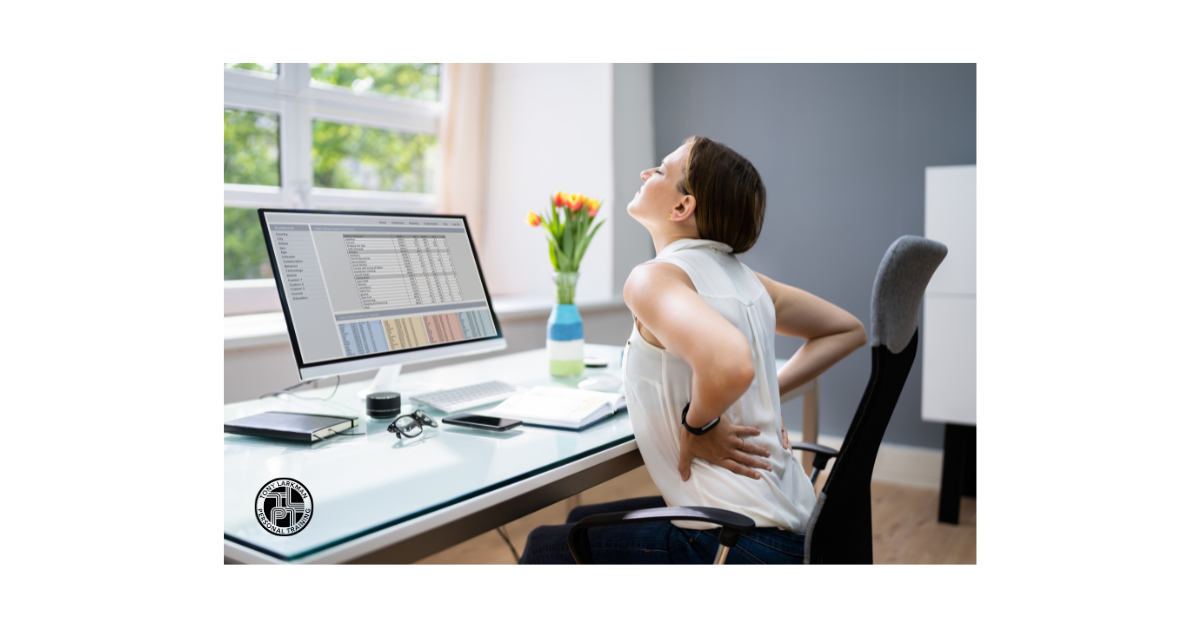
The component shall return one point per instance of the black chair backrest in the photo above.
(839, 530)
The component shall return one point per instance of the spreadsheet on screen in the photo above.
(362, 284)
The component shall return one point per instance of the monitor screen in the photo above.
(364, 290)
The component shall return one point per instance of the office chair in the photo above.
(839, 529)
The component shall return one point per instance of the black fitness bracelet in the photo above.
(698, 431)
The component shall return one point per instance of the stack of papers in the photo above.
(559, 407)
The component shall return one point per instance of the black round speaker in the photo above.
(383, 405)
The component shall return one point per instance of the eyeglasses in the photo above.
(411, 425)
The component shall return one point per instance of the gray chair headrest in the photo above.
(900, 283)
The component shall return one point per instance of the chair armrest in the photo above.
(822, 454)
(732, 524)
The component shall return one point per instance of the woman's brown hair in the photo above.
(731, 199)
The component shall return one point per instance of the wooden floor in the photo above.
(904, 519)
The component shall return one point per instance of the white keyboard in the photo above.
(456, 399)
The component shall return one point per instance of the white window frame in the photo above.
(298, 100)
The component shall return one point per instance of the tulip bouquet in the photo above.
(570, 229)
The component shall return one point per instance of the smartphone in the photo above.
(482, 422)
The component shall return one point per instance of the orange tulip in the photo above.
(533, 220)
(575, 201)
(593, 207)
(558, 200)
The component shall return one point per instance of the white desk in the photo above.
(948, 331)
(382, 500)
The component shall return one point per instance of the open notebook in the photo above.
(551, 406)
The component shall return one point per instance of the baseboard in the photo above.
(902, 464)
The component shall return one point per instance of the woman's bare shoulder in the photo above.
(648, 278)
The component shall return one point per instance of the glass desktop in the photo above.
(363, 484)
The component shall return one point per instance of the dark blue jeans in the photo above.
(658, 542)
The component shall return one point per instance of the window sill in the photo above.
(249, 331)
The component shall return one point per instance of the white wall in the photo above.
(550, 129)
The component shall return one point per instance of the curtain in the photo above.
(462, 136)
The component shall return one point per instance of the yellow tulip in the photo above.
(533, 220)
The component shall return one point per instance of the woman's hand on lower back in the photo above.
(725, 447)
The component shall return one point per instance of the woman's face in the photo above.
(659, 193)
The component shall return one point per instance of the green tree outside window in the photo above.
(344, 156)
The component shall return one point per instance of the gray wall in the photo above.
(633, 152)
(842, 150)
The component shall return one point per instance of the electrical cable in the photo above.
(305, 382)
(504, 535)
(336, 385)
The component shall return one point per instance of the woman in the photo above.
(702, 352)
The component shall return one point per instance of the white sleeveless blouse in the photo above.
(658, 385)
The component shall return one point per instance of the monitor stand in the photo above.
(386, 380)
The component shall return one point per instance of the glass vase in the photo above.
(564, 331)
(564, 287)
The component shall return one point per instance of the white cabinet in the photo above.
(948, 375)
(948, 329)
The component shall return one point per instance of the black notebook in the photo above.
(291, 425)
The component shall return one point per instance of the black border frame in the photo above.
(287, 313)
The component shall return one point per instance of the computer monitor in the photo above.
(368, 290)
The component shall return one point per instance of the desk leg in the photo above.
(808, 433)
(958, 470)
(969, 466)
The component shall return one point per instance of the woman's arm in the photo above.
(832, 333)
(664, 300)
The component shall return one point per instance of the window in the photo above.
(264, 68)
(357, 136)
